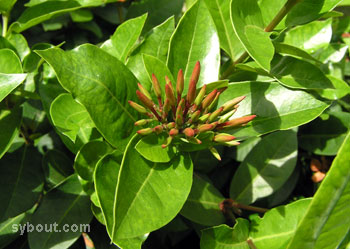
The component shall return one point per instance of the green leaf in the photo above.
(81, 15)
(276, 107)
(340, 89)
(229, 42)
(124, 38)
(245, 147)
(266, 168)
(203, 204)
(195, 39)
(142, 203)
(278, 225)
(286, 49)
(310, 37)
(150, 147)
(156, 44)
(6, 5)
(9, 62)
(68, 207)
(57, 167)
(296, 73)
(324, 137)
(23, 182)
(102, 88)
(248, 25)
(158, 11)
(20, 43)
(331, 202)
(70, 117)
(10, 229)
(333, 52)
(10, 121)
(87, 158)
(223, 236)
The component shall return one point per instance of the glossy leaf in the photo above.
(6, 5)
(276, 107)
(70, 117)
(245, 147)
(203, 204)
(195, 39)
(278, 225)
(286, 49)
(266, 168)
(333, 52)
(150, 147)
(57, 167)
(68, 207)
(220, 12)
(331, 202)
(20, 43)
(87, 158)
(124, 38)
(223, 236)
(10, 121)
(339, 90)
(9, 62)
(296, 73)
(110, 80)
(158, 11)
(106, 179)
(324, 137)
(156, 44)
(248, 25)
(23, 182)
(310, 37)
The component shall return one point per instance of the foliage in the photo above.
(244, 107)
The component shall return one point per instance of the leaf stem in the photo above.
(5, 21)
(275, 21)
(250, 208)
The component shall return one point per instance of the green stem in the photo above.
(5, 21)
(270, 27)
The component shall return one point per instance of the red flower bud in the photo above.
(215, 114)
(144, 91)
(209, 99)
(222, 137)
(145, 131)
(138, 107)
(170, 94)
(156, 86)
(236, 122)
(230, 105)
(200, 96)
(189, 132)
(205, 127)
(173, 132)
(191, 94)
(180, 84)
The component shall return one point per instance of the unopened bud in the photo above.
(142, 122)
(146, 101)
(200, 96)
(170, 94)
(179, 120)
(214, 102)
(158, 129)
(189, 132)
(209, 99)
(138, 107)
(171, 125)
(236, 122)
(156, 86)
(144, 91)
(227, 116)
(180, 83)
(231, 143)
(167, 142)
(194, 116)
(215, 114)
(145, 131)
(230, 105)
(222, 137)
(173, 132)
(194, 140)
(215, 153)
(204, 118)
(191, 94)
(205, 127)
(180, 107)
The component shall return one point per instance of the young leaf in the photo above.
(248, 25)
(195, 39)
(266, 168)
(331, 202)
(6, 5)
(276, 107)
(65, 207)
(124, 38)
(203, 204)
(9, 62)
(220, 12)
(102, 88)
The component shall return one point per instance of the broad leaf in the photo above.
(10, 121)
(340, 89)
(195, 39)
(23, 182)
(9, 62)
(310, 37)
(296, 73)
(286, 49)
(158, 11)
(266, 168)
(331, 202)
(66, 206)
(6, 5)
(333, 52)
(139, 184)
(20, 43)
(102, 88)
(220, 12)
(70, 117)
(203, 204)
(278, 225)
(276, 107)
(124, 38)
(248, 25)
(87, 158)
(156, 44)
(324, 137)
(150, 147)
(223, 236)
